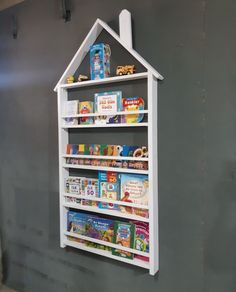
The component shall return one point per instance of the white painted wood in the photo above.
(131, 51)
(151, 75)
(81, 53)
(105, 211)
(114, 79)
(63, 172)
(103, 168)
(125, 25)
(106, 243)
(105, 157)
(153, 174)
(135, 262)
(95, 199)
(98, 26)
(121, 125)
(113, 113)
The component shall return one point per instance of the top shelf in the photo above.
(114, 79)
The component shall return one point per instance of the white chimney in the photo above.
(126, 28)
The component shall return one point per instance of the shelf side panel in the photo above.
(153, 173)
(63, 172)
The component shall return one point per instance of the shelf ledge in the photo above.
(106, 243)
(135, 262)
(108, 212)
(121, 125)
(103, 157)
(107, 114)
(113, 79)
(103, 168)
(103, 200)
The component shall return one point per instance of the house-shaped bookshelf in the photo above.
(142, 83)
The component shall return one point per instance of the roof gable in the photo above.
(94, 32)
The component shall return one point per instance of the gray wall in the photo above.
(192, 43)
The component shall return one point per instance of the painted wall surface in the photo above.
(192, 43)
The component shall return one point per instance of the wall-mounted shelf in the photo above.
(149, 76)
(95, 199)
(108, 212)
(105, 126)
(109, 80)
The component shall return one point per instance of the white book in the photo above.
(71, 108)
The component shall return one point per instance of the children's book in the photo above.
(71, 107)
(141, 238)
(73, 185)
(107, 103)
(134, 188)
(108, 183)
(123, 235)
(86, 107)
(133, 104)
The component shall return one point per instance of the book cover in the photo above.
(123, 235)
(108, 183)
(132, 104)
(86, 107)
(107, 103)
(71, 107)
(134, 188)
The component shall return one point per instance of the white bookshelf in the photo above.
(150, 76)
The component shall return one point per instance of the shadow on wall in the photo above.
(221, 226)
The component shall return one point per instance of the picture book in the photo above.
(134, 188)
(90, 187)
(107, 103)
(86, 107)
(108, 183)
(77, 222)
(73, 185)
(71, 107)
(141, 238)
(123, 235)
(100, 228)
(132, 104)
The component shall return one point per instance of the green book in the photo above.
(123, 235)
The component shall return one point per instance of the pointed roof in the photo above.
(94, 32)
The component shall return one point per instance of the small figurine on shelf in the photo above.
(82, 78)
(70, 79)
(125, 70)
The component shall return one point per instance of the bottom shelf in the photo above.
(135, 262)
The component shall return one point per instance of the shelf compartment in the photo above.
(135, 262)
(139, 206)
(102, 114)
(113, 79)
(103, 168)
(121, 125)
(105, 157)
(108, 212)
(106, 243)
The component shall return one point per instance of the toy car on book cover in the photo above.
(107, 103)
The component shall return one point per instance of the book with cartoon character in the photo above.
(108, 184)
(132, 104)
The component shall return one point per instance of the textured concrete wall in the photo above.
(192, 43)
